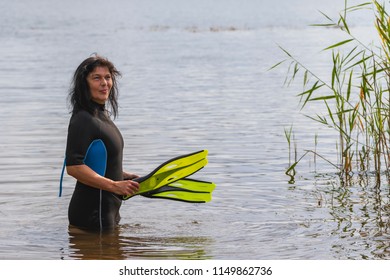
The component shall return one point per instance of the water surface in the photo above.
(194, 77)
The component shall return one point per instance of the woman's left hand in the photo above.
(129, 176)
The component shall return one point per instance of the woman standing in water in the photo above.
(96, 199)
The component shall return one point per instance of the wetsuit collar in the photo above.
(100, 107)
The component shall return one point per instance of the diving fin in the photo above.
(171, 171)
(187, 190)
(192, 185)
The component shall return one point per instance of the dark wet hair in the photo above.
(79, 93)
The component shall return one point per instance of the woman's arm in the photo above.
(87, 176)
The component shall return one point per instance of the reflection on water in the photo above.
(357, 216)
(114, 245)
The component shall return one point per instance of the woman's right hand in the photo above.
(126, 187)
(89, 177)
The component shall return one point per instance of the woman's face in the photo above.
(100, 84)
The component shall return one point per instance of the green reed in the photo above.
(356, 99)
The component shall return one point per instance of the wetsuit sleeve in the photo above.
(81, 132)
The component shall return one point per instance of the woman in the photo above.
(96, 199)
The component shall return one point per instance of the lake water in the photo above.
(194, 77)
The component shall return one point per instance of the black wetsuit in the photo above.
(92, 208)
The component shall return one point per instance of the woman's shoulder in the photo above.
(81, 116)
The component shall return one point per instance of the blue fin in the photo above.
(95, 158)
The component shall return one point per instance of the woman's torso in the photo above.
(91, 207)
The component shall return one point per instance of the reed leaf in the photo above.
(285, 51)
(347, 58)
(322, 98)
(277, 65)
(325, 15)
(309, 92)
(365, 5)
(291, 170)
(359, 62)
(329, 112)
(305, 78)
(349, 85)
(320, 119)
(344, 24)
(324, 25)
(287, 134)
(339, 44)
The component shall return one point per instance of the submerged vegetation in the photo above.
(356, 99)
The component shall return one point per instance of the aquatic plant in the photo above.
(356, 99)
